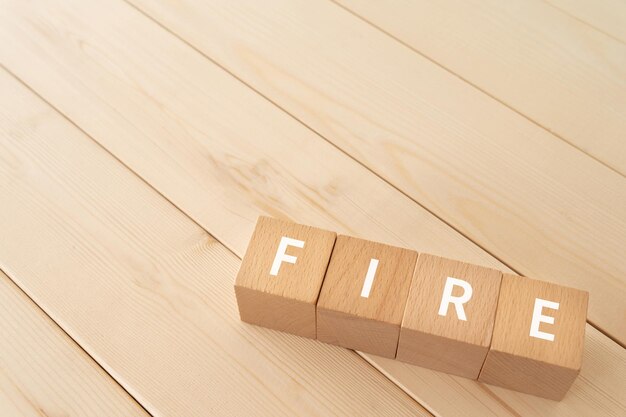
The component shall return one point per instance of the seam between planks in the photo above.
(571, 16)
(77, 345)
(485, 92)
(102, 147)
(139, 176)
(595, 325)
(276, 104)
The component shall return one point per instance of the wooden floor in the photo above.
(140, 140)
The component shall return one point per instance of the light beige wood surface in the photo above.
(224, 155)
(359, 315)
(149, 294)
(276, 291)
(546, 65)
(449, 342)
(509, 185)
(608, 16)
(525, 359)
(45, 373)
(570, 204)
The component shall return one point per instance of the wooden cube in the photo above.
(449, 317)
(364, 294)
(281, 275)
(537, 344)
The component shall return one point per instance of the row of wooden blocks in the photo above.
(447, 315)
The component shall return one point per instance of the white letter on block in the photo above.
(540, 318)
(281, 255)
(458, 302)
(369, 278)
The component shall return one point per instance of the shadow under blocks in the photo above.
(447, 315)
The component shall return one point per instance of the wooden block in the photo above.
(449, 317)
(364, 294)
(537, 344)
(281, 275)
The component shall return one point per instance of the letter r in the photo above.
(458, 302)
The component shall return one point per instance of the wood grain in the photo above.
(45, 373)
(449, 343)
(367, 323)
(520, 361)
(148, 293)
(500, 401)
(236, 158)
(284, 300)
(608, 16)
(546, 209)
(550, 67)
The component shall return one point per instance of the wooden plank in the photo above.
(608, 16)
(546, 209)
(45, 373)
(604, 365)
(550, 67)
(146, 292)
(235, 156)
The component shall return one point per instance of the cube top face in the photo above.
(367, 279)
(520, 314)
(286, 259)
(429, 311)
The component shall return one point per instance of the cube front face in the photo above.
(449, 318)
(281, 275)
(363, 297)
(538, 337)
(275, 312)
(371, 336)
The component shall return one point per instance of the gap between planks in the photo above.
(71, 344)
(457, 216)
(231, 250)
(317, 133)
(584, 22)
(331, 143)
(395, 175)
(143, 180)
(567, 65)
(485, 92)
